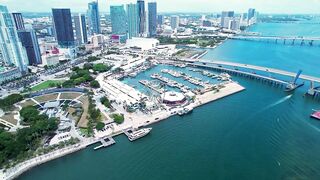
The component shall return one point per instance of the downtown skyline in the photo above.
(204, 6)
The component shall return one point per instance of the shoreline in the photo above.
(25, 166)
(208, 97)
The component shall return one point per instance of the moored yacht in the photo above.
(138, 134)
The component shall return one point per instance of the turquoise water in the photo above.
(260, 133)
(286, 57)
(303, 28)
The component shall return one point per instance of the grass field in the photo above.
(44, 85)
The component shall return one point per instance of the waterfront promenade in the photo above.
(20, 168)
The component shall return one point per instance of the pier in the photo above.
(149, 85)
(105, 142)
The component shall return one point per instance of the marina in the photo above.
(249, 134)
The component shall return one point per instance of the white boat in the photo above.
(184, 111)
(134, 74)
(155, 75)
(225, 75)
(165, 70)
(139, 134)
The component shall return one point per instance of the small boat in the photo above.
(165, 70)
(155, 75)
(134, 74)
(139, 134)
(316, 114)
(225, 75)
(184, 111)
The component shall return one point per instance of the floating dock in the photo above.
(105, 142)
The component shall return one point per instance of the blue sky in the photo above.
(264, 6)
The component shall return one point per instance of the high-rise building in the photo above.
(10, 45)
(80, 28)
(174, 22)
(63, 27)
(207, 23)
(142, 17)
(118, 20)
(251, 13)
(30, 42)
(133, 20)
(94, 18)
(18, 21)
(152, 17)
(225, 17)
(160, 20)
(234, 24)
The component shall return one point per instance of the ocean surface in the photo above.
(261, 133)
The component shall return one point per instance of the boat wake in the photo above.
(282, 100)
(312, 126)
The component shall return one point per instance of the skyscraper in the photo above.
(251, 13)
(160, 20)
(94, 18)
(80, 28)
(174, 22)
(226, 16)
(142, 17)
(63, 27)
(30, 42)
(234, 24)
(11, 48)
(133, 20)
(118, 20)
(18, 21)
(152, 17)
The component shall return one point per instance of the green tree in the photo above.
(100, 126)
(94, 84)
(118, 118)
(68, 84)
(101, 67)
(79, 81)
(9, 101)
(29, 114)
(105, 101)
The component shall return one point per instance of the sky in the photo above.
(207, 6)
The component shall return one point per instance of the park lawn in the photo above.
(47, 97)
(45, 85)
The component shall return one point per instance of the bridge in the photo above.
(290, 40)
(251, 67)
